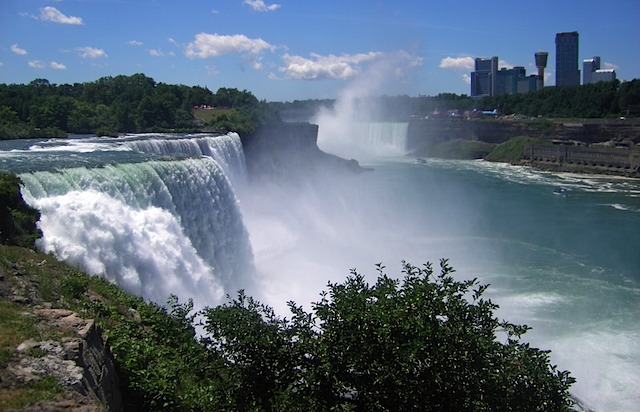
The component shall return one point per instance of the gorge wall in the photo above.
(423, 133)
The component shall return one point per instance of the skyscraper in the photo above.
(483, 79)
(567, 69)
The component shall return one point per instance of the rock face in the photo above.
(285, 149)
(80, 361)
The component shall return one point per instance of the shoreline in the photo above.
(568, 168)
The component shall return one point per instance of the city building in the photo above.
(592, 73)
(515, 80)
(567, 70)
(487, 80)
(483, 78)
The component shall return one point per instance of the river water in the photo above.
(564, 262)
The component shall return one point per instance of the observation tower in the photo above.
(541, 63)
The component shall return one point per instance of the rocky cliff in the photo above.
(51, 345)
(284, 149)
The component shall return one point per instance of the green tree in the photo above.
(17, 219)
(427, 342)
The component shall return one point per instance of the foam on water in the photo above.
(128, 221)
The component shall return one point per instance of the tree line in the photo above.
(121, 104)
(599, 100)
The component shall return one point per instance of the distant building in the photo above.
(483, 78)
(592, 73)
(567, 70)
(515, 80)
(487, 80)
(541, 63)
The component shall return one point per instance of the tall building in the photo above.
(567, 69)
(515, 80)
(592, 73)
(483, 79)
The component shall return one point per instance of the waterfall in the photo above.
(155, 227)
(363, 140)
(226, 150)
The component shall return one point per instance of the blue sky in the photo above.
(283, 50)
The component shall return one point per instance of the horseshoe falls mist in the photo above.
(163, 214)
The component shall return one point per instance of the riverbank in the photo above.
(594, 146)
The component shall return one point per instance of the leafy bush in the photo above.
(17, 219)
(426, 343)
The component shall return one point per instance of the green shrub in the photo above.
(426, 343)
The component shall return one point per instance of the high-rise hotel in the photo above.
(567, 69)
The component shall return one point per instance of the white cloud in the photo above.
(36, 64)
(457, 63)
(466, 78)
(135, 43)
(610, 66)
(18, 50)
(57, 66)
(325, 67)
(54, 15)
(1, 64)
(261, 6)
(213, 45)
(505, 64)
(160, 53)
(90, 52)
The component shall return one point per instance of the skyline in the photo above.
(295, 50)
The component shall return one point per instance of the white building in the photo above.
(592, 73)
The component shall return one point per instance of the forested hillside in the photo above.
(122, 104)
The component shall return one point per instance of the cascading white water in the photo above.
(226, 150)
(154, 227)
(363, 140)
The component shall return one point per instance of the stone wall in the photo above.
(423, 133)
(624, 159)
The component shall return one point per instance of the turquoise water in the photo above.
(566, 264)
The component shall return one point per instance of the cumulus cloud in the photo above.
(317, 67)
(207, 45)
(54, 15)
(18, 50)
(36, 64)
(260, 5)
(135, 43)
(57, 66)
(90, 52)
(457, 63)
(610, 66)
(466, 78)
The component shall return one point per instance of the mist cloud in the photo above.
(342, 67)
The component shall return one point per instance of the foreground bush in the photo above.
(427, 342)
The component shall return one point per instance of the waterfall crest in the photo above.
(154, 227)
